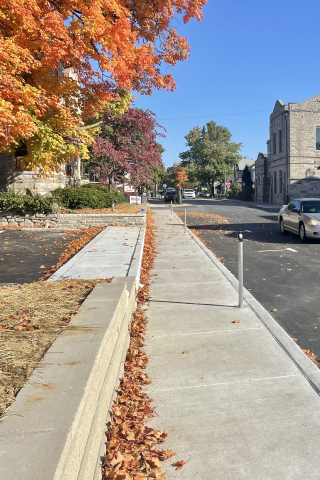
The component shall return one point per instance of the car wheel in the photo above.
(302, 232)
(282, 227)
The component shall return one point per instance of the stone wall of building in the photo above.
(277, 169)
(261, 169)
(69, 221)
(24, 181)
(304, 158)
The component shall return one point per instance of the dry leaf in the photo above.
(179, 464)
(184, 353)
(236, 321)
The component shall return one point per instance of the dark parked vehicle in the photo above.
(301, 216)
(171, 195)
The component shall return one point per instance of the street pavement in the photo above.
(26, 255)
(286, 282)
(227, 392)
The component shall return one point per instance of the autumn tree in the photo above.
(126, 150)
(48, 86)
(211, 153)
(181, 179)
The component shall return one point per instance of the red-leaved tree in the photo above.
(126, 150)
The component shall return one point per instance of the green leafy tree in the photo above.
(210, 153)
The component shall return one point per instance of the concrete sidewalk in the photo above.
(243, 401)
(114, 252)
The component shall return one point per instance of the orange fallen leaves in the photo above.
(179, 465)
(131, 452)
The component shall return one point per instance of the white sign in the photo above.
(164, 185)
(135, 199)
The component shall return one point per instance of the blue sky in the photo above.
(244, 56)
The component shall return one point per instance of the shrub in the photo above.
(86, 197)
(18, 202)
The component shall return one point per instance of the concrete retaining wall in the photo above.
(55, 429)
(73, 220)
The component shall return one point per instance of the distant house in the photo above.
(293, 151)
(238, 170)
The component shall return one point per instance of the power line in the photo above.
(219, 115)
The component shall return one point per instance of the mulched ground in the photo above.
(121, 208)
(31, 318)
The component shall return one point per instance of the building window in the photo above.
(280, 140)
(274, 144)
(318, 138)
(275, 182)
(280, 180)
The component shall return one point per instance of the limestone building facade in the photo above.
(261, 180)
(294, 151)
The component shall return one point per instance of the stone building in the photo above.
(261, 181)
(294, 151)
(12, 177)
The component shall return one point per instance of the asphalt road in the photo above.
(286, 283)
(26, 255)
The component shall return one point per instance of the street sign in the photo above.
(135, 199)
(164, 185)
(228, 184)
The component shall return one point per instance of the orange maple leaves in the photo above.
(39, 38)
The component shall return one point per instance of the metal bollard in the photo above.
(171, 208)
(114, 201)
(240, 268)
(185, 221)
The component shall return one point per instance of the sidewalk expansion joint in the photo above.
(227, 383)
(211, 332)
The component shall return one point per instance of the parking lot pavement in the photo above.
(26, 255)
(280, 271)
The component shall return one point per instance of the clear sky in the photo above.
(244, 56)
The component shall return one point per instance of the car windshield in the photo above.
(171, 191)
(312, 206)
(188, 190)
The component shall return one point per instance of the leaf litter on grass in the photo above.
(31, 318)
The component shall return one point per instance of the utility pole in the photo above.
(225, 182)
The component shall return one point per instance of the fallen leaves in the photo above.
(179, 464)
(311, 356)
(131, 452)
(185, 353)
(235, 321)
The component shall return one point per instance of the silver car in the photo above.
(301, 216)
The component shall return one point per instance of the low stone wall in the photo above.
(73, 220)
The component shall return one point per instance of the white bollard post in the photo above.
(240, 268)
(171, 208)
(185, 221)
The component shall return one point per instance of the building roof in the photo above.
(244, 162)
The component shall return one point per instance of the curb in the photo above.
(309, 370)
(55, 428)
